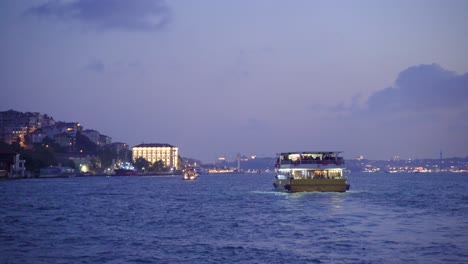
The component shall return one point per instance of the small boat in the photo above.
(56, 171)
(311, 171)
(190, 174)
(126, 169)
(125, 172)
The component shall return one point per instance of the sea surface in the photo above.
(384, 218)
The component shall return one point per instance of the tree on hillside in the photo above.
(94, 163)
(158, 166)
(125, 155)
(180, 163)
(50, 143)
(84, 144)
(42, 155)
(141, 163)
(106, 155)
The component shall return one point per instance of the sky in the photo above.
(256, 77)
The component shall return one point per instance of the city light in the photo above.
(84, 168)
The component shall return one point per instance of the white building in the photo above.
(93, 135)
(154, 152)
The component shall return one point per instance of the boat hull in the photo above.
(311, 185)
(125, 172)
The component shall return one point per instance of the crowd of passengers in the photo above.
(322, 175)
(311, 159)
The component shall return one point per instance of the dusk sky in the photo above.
(217, 78)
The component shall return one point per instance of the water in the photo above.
(384, 218)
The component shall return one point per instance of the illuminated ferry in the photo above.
(310, 171)
(126, 169)
(190, 174)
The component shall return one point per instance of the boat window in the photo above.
(335, 173)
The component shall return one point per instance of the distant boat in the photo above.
(313, 171)
(190, 174)
(125, 172)
(126, 169)
(56, 171)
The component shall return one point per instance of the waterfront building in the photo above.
(50, 131)
(104, 140)
(79, 160)
(16, 126)
(92, 135)
(122, 150)
(96, 137)
(71, 128)
(119, 146)
(154, 152)
(64, 140)
(10, 164)
(14, 119)
(37, 136)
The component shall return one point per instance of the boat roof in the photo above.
(311, 152)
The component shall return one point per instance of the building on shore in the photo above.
(154, 152)
(11, 165)
(16, 126)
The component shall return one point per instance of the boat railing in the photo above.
(313, 161)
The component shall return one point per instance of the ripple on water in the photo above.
(233, 218)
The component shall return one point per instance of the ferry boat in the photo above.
(310, 171)
(190, 174)
(126, 169)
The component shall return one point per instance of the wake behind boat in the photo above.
(313, 171)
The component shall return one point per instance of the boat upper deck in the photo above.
(310, 159)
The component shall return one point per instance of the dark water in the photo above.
(385, 218)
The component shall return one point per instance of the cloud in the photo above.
(141, 15)
(424, 110)
(422, 88)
